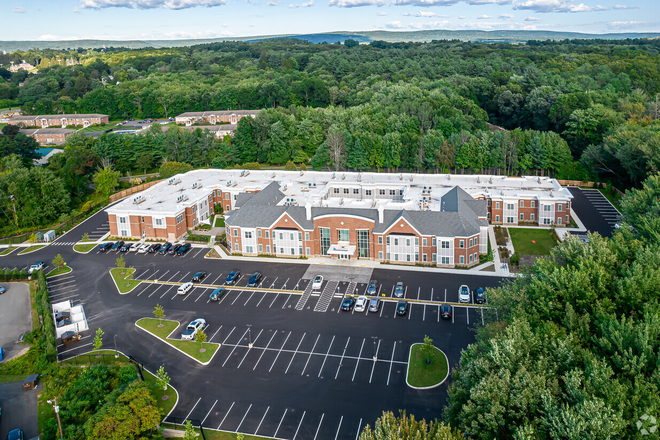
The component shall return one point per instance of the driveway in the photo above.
(19, 409)
(596, 213)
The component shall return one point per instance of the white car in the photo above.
(464, 294)
(361, 303)
(143, 249)
(192, 329)
(134, 247)
(318, 281)
(184, 288)
(36, 266)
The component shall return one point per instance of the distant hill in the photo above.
(332, 37)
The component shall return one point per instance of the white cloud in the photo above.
(150, 4)
(48, 37)
(624, 7)
(460, 17)
(382, 13)
(273, 3)
(76, 11)
(224, 25)
(532, 19)
(394, 25)
(19, 10)
(355, 3)
(308, 4)
(557, 6)
(421, 3)
(484, 17)
(624, 24)
(421, 14)
(291, 6)
(505, 17)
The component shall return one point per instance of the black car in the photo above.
(445, 311)
(347, 304)
(254, 279)
(164, 248)
(125, 247)
(232, 277)
(479, 296)
(198, 277)
(106, 246)
(172, 250)
(402, 307)
(117, 246)
(153, 248)
(183, 249)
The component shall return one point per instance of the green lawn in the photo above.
(189, 347)
(522, 241)
(124, 281)
(215, 435)
(59, 271)
(219, 222)
(8, 251)
(84, 247)
(421, 374)
(12, 378)
(31, 248)
(609, 196)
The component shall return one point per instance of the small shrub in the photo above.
(515, 259)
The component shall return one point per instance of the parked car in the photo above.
(116, 246)
(36, 266)
(318, 281)
(254, 279)
(165, 248)
(106, 246)
(445, 311)
(198, 277)
(217, 294)
(16, 434)
(374, 304)
(69, 338)
(464, 294)
(183, 249)
(361, 303)
(172, 250)
(399, 290)
(372, 288)
(192, 329)
(184, 288)
(125, 247)
(402, 307)
(143, 249)
(232, 277)
(2, 290)
(480, 296)
(347, 304)
(134, 247)
(154, 248)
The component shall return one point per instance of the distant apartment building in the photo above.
(215, 117)
(47, 136)
(59, 120)
(21, 66)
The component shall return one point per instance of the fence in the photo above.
(181, 421)
(129, 191)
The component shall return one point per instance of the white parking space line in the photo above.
(294, 353)
(467, 314)
(59, 279)
(202, 294)
(274, 299)
(184, 277)
(248, 350)
(482, 317)
(76, 347)
(264, 351)
(144, 290)
(57, 286)
(193, 409)
(319, 427)
(248, 300)
(410, 311)
(202, 249)
(445, 295)
(438, 312)
(64, 295)
(358, 431)
(207, 414)
(374, 365)
(232, 331)
(262, 420)
(358, 362)
(271, 286)
(452, 314)
(262, 298)
(216, 332)
(342, 356)
(280, 351)
(310, 354)
(233, 349)
(284, 285)
(326, 356)
(245, 415)
(424, 316)
(287, 300)
(431, 293)
(216, 279)
(297, 429)
(339, 427)
(226, 414)
(278, 426)
(391, 362)
(419, 289)
(237, 296)
(382, 307)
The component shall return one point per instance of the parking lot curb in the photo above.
(176, 348)
(408, 369)
(83, 253)
(36, 250)
(125, 293)
(55, 276)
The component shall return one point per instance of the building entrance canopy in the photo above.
(336, 249)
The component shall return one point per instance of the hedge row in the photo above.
(48, 325)
(14, 274)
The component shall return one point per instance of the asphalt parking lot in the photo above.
(15, 317)
(19, 409)
(596, 213)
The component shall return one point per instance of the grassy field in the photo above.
(8, 251)
(219, 222)
(59, 271)
(84, 247)
(31, 248)
(421, 374)
(522, 241)
(124, 281)
(189, 347)
(12, 378)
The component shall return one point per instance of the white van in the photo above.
(184, 288)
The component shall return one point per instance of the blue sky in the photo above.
(171, 19)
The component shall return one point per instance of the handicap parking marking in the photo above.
(226, 414)
(279, 352)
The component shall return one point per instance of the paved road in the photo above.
(594, 210)
(19, 409)
(307, 373)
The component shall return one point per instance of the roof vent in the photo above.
(448, 176)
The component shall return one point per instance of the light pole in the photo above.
(116, 353)
(14, 206)
(249, 326)
(57, 413)
(374, 338)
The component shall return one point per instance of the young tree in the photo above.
(58, 261)
(162, 378)
(106, 181)
(159, 313)
(201, 338)
(290, 166)
(98, 339)
(190, 433)
(240, 436)
(427, 349)
(405, 427)
(121, 263)
(85, 237)
(33, 238)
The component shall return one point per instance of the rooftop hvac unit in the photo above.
(174, 181)
(333, 175)
(182, 198)
(343, 176)
(229, 183)
(312, 184)
(197, 185)
(290, 201)
(137, 200)
(245, 173)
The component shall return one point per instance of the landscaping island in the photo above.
(84, 248)
(423, 375)
(191, 348)
(59, 271)
(124, 279)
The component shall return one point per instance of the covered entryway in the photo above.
(342, 251)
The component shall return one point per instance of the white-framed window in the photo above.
(235, 246)
(433, 242)
(445, 260)
(475, 257)
(368, 193)
(268, 249)
(261, 247)
(566, 219)
(381, 192)
(248, 249)
(488, 202)
(159, 223)
(248, 234)
(476, 241)
(470, 242)
(124, 233)
(424, 258)
(424, 242)
(335, 190)
(235, 232)
(522, 203)
(307, 251)
(408, 242)
(259, 233)
(533, 203)
(509, 219)
(267, 234)
(567, 206)
(488, 216)
(434, 257)
(531, 217)
(559, 220)
(380, 255)
(179, 218)
(510, 206)
(461, 259)
(306, 236)
(345, 190)
(470, 258)
(559, 206)
(461, 244)
(356, 191)
(497, 205)
(445, 245)
(547, 208)
(122, 220)
(380, 240)
(396, 242)
(227, 208)
(497, 218)
(546, 221)
(342, 235)
(522, 216)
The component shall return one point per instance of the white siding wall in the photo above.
(546, 217)
(249, 240)
(402, 248)
(510, 211)
(446, 252)
(286, 242)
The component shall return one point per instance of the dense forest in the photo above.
(578, 109)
